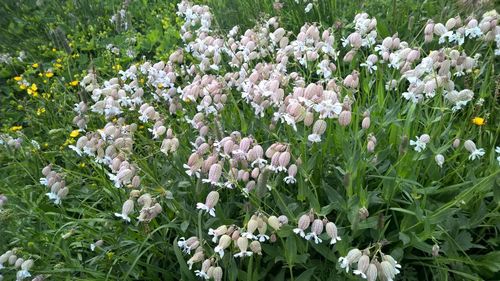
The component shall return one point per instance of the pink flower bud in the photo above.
(319, 127)
(212, 199)
(304, 222)
(345, 118)
(355, 40)
(317, 226)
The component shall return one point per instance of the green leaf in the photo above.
(306, 275)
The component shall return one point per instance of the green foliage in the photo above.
(413, 204)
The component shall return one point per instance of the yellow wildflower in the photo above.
(54, 50)
(478, 121)
(73, 83)
(18, 78)
(74, 133)
(57, 65)
(22, 87)
(32, 90)
(40, 111)
(35, 65)
(58, 60)
(49, 74)
(16, 128)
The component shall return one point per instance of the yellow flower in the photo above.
(35, 65)
(49, 74)
(74, 133)
(82, 165)
(16, 128)
(54, 50)
(57, 65)
(32, 90)
(22, 87)
(40, 111)
(18, 78)
(73, 83)
(478, 121)
(58, 60)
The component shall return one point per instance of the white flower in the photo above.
(300, 232)
(308, 8)
(313, 235)
(314, 138)
(439, 160)
(292, 180)
(352, 257)
(370, 66)
(419, 144)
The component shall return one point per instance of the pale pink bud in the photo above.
(365, 124)
(217, 273)
(292, 170)
(470, 146)
(439, 29)
(304, 222)
(345, 118)
(256, 247)
(425, 138)
(308, 119)
(319, 127)
(429, 28)
(215, 173)
(451, 23)
(349, 56)
(274, 222)
(317, 226)
(284, 159)
(212, 199)
(456, 143)
(355, 40)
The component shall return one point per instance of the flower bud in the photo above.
(470, 146)
(304, 222)
(345, 118)
(273, 221)
(435, 250)
(256, 247)
(217, 273)
(319, 127)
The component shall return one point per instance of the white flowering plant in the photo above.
(268, 140)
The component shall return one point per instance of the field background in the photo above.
(457, 208)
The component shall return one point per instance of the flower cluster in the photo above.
(22, 266)
(368, 266)
(56, 183)
(317, 226)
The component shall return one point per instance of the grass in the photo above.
(413, 204)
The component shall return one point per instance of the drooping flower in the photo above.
(127, 208)
(331, 230)
(352, 257)
(439, 160)
(224, 242)
(475, 153)
(302, 225)
(420, 143)
(210, 202)
(316, 230)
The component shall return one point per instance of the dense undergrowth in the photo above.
(318, 140)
